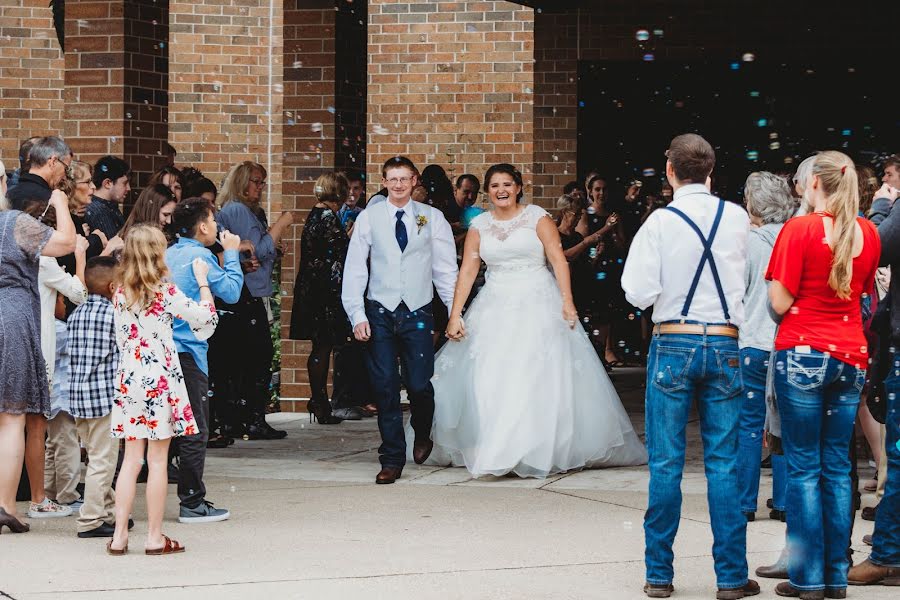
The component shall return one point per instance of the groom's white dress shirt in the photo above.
(393, 277)
(665, 253)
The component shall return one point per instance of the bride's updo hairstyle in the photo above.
(509, 170)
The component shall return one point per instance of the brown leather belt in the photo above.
(695, 329)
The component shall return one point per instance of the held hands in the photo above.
(200, 268)
(230, 241)
(362, 332)
(886, 191)
(115, 243)
(59, 200)
(456, 329)
(81, 245)
(570, 314)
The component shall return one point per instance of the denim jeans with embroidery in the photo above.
(817, 398)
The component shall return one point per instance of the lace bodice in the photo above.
(513, 245)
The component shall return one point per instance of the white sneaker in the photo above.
(48, 509)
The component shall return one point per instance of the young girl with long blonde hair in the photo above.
(151, 404)
(821, 266)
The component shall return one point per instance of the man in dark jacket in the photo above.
(48, 163)
(883, 565)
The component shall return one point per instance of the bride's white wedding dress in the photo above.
(523, 393)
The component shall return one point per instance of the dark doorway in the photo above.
(758, 115)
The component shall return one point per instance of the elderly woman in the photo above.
(248, 328)
(24, 389)
(769, 204)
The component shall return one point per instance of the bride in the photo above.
(521, 390)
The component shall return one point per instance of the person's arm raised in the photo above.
(62, 241)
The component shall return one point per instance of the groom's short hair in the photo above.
(399, 161)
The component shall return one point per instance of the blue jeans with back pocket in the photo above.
(817, 398)
(682, 370)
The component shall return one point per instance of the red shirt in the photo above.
(801, 262)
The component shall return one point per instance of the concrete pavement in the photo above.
(308, 522)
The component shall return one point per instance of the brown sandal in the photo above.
(113, 552)
(170, 547)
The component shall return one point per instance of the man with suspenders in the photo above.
(688, 262)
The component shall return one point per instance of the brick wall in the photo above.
(225, 87)
(31, 76)
(116, 80)
(450, 83)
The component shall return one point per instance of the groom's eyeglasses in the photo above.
(396, 180)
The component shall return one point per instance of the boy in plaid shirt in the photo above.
(93, 360)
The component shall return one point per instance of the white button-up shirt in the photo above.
(666, 252)
(356, 271)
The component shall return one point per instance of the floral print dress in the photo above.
(151, 399)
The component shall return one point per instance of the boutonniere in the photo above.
(421, 221)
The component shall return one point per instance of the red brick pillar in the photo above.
(450, 83)
(31, 76)
(116, 81)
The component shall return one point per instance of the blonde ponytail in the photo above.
(839, 181)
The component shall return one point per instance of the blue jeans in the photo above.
(683, 369)
(886, 539)
(779, 481)
(754, 367)
(406, 335)
(817, 399)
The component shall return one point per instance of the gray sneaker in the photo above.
(204, 513)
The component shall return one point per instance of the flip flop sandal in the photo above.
(170, 547)
(113, 552)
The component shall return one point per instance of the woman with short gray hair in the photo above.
(770, 204)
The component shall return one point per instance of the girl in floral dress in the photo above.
(151, 404)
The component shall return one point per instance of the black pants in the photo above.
(351, 377)
(192, 448)
(241, 361)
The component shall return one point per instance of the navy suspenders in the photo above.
(707, 256)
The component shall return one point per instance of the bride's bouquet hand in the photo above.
(456, 329)
(570, 314)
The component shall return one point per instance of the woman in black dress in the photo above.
(604, 289)
(317, 313)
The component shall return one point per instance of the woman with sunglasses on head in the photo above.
(248, 327)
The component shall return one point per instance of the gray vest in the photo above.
(395, 276)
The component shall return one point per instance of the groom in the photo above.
(408, 245)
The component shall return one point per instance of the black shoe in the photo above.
(751, 516)
(751, 588)
(103, 531)
(766, 464)
(778, 515)
(869, 512)
(352, 413)
(320, 412)
(770, 503)
(258, 431)
(658, 590)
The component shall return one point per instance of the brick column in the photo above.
(555, 104)
(116, 80)
(450, 83)
(31, 76)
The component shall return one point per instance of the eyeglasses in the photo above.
(396, 180)
(70, 172)
(258, 182)
(85, 182)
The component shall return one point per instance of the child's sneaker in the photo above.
(48, 509)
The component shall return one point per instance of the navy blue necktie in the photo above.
(400, 231)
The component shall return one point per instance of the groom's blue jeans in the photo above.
(683, 369)
(406, 335)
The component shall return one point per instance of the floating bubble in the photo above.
(380, 130)
(649, 57)
(648, 172)
(774, 146)
(754, 94)
(752, 155)
(658, 32)
(846, 132)
(748, 57)
(762, 122)
(642, 35)
(316, 127)
(735, 66)
(794, 310)
(297, 64)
